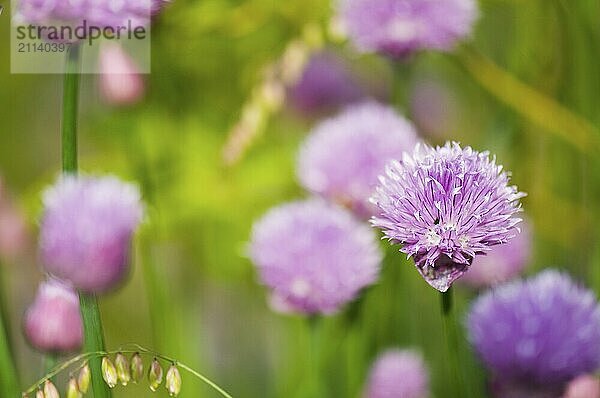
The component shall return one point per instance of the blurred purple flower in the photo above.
(53, 322)
(446, 205)
(502, 263)
(536, 335)
(314, 256)
(399, 27)
(344, 155)
(398, 374)
(586, 386)
(120, 80)
(325, 85)
(434, 108)
(97, 13)
(86, 230)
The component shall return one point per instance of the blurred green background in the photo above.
(527, 88)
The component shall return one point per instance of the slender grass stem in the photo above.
(90, 313)
(536, 107)
(452, 349)
(76, 363)
(9, 384)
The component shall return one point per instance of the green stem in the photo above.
(403, 73)
(314, 324)
(90, 313)
(157, 296)
(70, 107)
(452, 349)
(93, 341)
(8, 382)
(50, 362)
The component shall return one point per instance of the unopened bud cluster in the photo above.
(122, 371)
(76, 387)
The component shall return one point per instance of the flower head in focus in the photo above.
(344, 155)
(53, 322)
(502, 263)
(538, 334)
(398, 373)
(87, 228)
(446, 205)
(398, 28)
(314, 256)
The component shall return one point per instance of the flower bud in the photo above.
(120, 80)
(173, 381)
(137, 368)
(109, 372)
(123, 372)
(73, 389)
(83, 380)
(155, 375)
(50, 390)
(39, 394)
(53, 322)
(586, 386)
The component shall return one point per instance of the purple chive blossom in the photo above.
(398, 374)
(326, 84)
(330, 258)
(400, 27)
(502, 263)
(446, 205)
(536, 335)
(87, 228)
(97, 13)
(344, 155)
(53, 322)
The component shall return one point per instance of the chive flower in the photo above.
(326, 84)
(398, 28)
(343, 156)
(398, 373)
(536, 335)
(89, 13)
(330, 258)
(53, 322)
(87, 228)
(445, 205)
